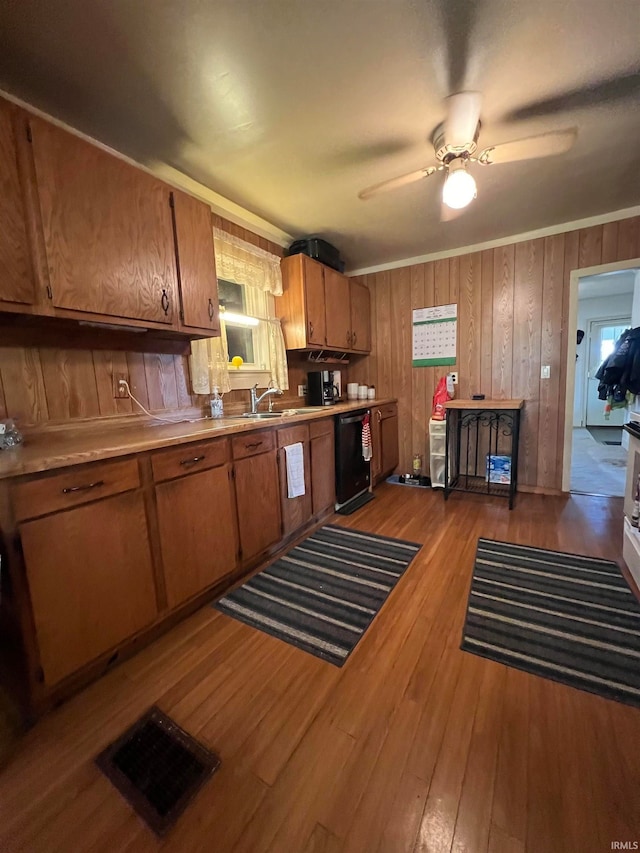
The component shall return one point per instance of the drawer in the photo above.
(252, 443)
(388, 411)
(437, 427)
(325, 426)
(293, 434)
(178, 461)
(74, 486)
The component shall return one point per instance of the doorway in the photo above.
(604, 311)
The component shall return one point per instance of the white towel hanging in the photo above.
(295, 470)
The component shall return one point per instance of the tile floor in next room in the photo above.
(412, 746)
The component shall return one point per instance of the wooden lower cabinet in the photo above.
(258, 502)
(296, 512)
(323, 468)
(198, 532)
(90, 580)
(384, 437)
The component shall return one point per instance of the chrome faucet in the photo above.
(255, 400)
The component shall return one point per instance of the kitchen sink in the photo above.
(263, 415)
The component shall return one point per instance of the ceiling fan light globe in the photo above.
(459, 189)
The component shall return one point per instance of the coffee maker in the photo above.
(322, 388)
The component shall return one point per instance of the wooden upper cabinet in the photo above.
(196, 264)
(338, 309)
(302, 304)
(360, 317)
(16, 279)
(108, 230)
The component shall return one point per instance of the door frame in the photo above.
(570, 355)
(585, 389)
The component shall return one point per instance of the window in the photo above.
(249, 279)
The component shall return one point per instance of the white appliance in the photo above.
(631, 535)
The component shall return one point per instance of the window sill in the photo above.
(243, 380)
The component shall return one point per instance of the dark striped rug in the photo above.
(324, 593)
(569, 618)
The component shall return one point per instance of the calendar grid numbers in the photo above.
(434, 335)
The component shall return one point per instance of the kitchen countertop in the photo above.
(74, 446)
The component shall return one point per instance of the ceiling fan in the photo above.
(455, 142)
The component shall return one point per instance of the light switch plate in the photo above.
(302, 390)
(545, 371)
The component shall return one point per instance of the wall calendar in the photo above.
(434, 335)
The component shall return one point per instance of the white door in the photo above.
(603, 335)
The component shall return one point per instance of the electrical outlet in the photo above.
(119, 391)
(454, 376)
(302, 390)
(545, 371)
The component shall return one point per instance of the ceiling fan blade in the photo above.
(395, 183)
(605, 92)
(463, 114)
(544, 145)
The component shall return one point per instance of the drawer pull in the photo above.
(193, 461)
(84, 488)
(254, 444)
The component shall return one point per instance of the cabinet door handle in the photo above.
(212, 311)
(164, 301)
(310, 329)
(83, 488)
(194, 460)
(379, 415)
(254, 444)
(355, 338)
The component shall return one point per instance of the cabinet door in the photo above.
(376, 444)
(16, 280)
(196, 264)
(258, 499)
(315, 302)
(336, 291)
(90, 580)
(323, 473)
(296, 512)
(198, 532)
(360, 317)
(389, 441)
(107, 228)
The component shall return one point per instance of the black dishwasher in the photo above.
(352, 472)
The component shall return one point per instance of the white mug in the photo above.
(352, 391)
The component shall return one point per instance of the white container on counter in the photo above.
(362, 392)
(352, 391)
(371, 394)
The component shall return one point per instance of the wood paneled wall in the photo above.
(40, 386)
(513, 307)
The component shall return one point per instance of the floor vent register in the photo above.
(158, 768)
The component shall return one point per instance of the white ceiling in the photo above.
(290, 108)
(616, 283)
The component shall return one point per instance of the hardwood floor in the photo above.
(412, 746)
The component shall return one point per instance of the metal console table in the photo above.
(478, 430)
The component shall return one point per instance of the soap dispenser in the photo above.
(217, 406)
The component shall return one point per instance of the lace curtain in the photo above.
(242, 263)
(239, 261)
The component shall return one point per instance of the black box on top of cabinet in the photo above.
(319, 250)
